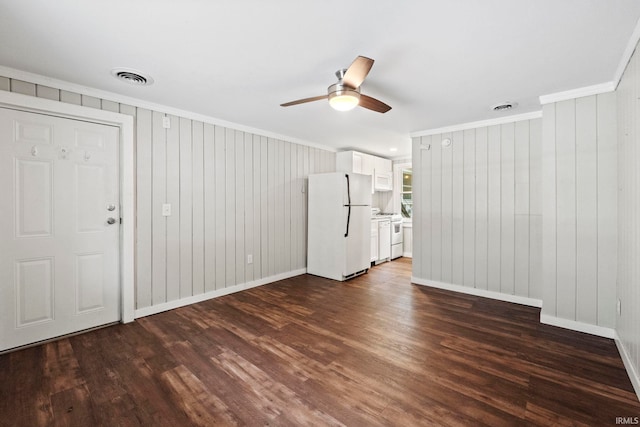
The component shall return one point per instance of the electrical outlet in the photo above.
(166, 209)
(166, 122)
(619, 307)
(249, 259)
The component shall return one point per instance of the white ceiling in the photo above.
(438, 63)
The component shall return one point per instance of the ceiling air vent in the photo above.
(504, 106)
(131, 76)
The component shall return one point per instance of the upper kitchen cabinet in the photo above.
(380, 169)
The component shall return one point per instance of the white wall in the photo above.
(628, 290)
(232, 193)
(477, 209)
(579, 193)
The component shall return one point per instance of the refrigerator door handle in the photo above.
(348, 189)
(346, 234)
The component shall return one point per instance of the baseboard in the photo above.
(407, 254)
(600, 331)
(632, 371)
(170, 305)
(478, 292)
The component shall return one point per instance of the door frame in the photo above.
(127, 173)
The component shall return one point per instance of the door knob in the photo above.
(111, 220)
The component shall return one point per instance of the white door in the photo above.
(59, 259)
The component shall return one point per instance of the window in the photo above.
(406, 201)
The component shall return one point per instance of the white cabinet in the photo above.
(384, 240)
(380, 169)
(374, 240)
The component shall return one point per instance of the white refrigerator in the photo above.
(339, 237)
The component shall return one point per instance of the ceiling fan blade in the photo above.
(357, 72)
(373, 104)
(302, 101)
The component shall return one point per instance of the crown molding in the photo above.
(479, 124)
(140, 103)
(578, 92)
(628, 53)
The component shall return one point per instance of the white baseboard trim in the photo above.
(478, 292)
(170, 305)
(407, 254)
(632, 371)
(600, 331)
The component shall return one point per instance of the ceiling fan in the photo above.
(345, 95)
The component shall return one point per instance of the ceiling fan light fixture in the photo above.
(344, 100)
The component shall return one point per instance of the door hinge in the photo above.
(120, 220)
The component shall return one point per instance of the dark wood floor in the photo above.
(307, 351)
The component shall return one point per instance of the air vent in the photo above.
(131, 76)
(504, 106)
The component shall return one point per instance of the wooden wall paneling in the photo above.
(447, 211)
(421, 215)
(300, 200)
(457, 205)
(104, 104)
(482, 215)
(144, 207)
(186, 207)
(198, 219)
(230, 207)
(54, 94)
(507, 202)
(240, 260)
(279, 204)
(629, 293)
(248, 208)
(25, 88)
(549, 207)
(173, 199)
(210, 209)
(265, 254)
(607, 204)
(5, 83)
(286, 218)
(70, 97)
(535, 209)
(522, 208)
(436, 208)
(305, 202)
(129, 110)
(627, 321)
(257, 206)
(630, 318)
(159, 224)
(216, 215)
(469, 256)
(426, 204)
(586, 210)
(295, 212)
(566, 208)
(216, 197)
(271, 201)
(494, 208)
(90, 101)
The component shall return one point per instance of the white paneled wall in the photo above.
(579, 193)
(628, 291)
(477, 209)
(232, 194)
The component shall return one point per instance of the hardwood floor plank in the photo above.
(372, 351)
